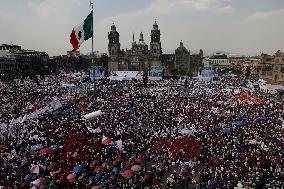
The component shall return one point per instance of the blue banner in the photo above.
(97, 73)
(156, 72)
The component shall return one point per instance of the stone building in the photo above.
(182, 59)
(168, 62)
(196, 62)
(182, 62)
(219, 61)
(272, 67)
(14, 61)
(140, 57)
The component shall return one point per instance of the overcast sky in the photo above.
(235, 26)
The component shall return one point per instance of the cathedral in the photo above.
(140, 57)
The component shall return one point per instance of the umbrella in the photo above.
(53, 147)
(56, 113)
(239, 123)
(136, 168)
(37, 169)
(78, 169)
(46, 151)
(70, 110)
(52, 184)
(114, 163)
(99, 176)
(226, 131)
(95, 162)
(56, 172)
(83, 109)
(106, 141)
(28, 177)
(186, 165)
(147, 177)
(261, 118)
(127, 174)
(100, 169)
(52, 166)
(140, 160)
(23, 184)
(115, 170)
(35, 147)
(71, 176)
(127, 165)
(40, 182)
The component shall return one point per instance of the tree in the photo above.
(174, 71)
(103, 61)
(182, 72)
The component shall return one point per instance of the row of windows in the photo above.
(219, 61)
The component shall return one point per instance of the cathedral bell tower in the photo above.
(155, 45)
(113, 45)
(113, 49)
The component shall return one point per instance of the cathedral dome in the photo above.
(142, 43)
(181, 48)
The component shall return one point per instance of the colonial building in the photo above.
(139, 57)
(168, 62)
(182, 59)
(14, 61)
(219, 61)
(272, 67)
(182, 62)
(196, 62)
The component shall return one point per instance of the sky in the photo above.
(244, 27)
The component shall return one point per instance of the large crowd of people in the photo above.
(167, 135)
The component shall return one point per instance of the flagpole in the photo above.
(92, 6)
(93, 57)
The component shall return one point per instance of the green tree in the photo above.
(103, 61)
(174, 71)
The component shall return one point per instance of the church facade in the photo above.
(140, 57)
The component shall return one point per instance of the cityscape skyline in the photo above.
(240, 27)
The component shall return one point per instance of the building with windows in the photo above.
(182, 62)
(140, 57)
(272, 67)
(196, 63)
(14, 61)
(219, 61)
(168, 62)
(182, 59)
(144, 57)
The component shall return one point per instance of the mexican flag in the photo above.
(82, 32)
